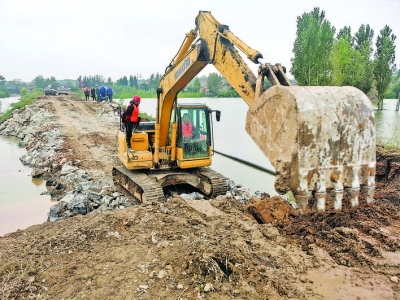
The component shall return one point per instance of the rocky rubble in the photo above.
(77, 191)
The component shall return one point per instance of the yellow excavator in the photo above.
(319, 139)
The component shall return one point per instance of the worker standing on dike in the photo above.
(131, 119)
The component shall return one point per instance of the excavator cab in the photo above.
(194, 142)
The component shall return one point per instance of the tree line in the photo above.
(321, 58)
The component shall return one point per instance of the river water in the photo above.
(21, 204)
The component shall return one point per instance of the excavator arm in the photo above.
(321, 140)
(214, 46)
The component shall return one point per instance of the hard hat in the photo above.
(136, 99)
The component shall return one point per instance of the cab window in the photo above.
(193, 132)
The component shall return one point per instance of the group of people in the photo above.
(98, 93)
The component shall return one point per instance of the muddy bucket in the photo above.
(318, 139)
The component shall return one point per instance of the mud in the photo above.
(201, 249)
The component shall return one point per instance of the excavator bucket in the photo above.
(319, 139)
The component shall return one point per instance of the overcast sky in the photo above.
(68, 38)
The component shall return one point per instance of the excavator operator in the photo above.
(131, 119)
(187, 127)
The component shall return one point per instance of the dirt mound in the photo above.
(162, 250)
(269, 210)
(388, 175)
(351, 237)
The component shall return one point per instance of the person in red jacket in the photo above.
(131, 119)
(187, 127)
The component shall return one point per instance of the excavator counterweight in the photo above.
(319, 139)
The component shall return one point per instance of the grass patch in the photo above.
(26, 99)
(142, 115)
(146, 116)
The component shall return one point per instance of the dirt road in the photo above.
(196, 249)
(90, 134)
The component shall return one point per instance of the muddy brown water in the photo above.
(21, 204)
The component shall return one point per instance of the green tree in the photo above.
(311, 64)
(348, 65)
(109, 81)
(144, 86)
(2, 81)
(364, 34)
(384, 64)
(345, 33)
(214, 82)
(341, 59)
(196, 84)
(366, 62)
(133, 82)
(152, 82)
(363, 43)
(122, 81)
(39, 81)
(93, 80)
(193, 86)
(18, 84)
(3, 91)
(396, 84)
(50, 81)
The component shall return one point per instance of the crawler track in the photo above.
(218, 181)
(144, 186)
(137, 184)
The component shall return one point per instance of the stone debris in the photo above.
(76, 191)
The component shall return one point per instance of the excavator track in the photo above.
(140, 187)
(137, 185)
(218, 181)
